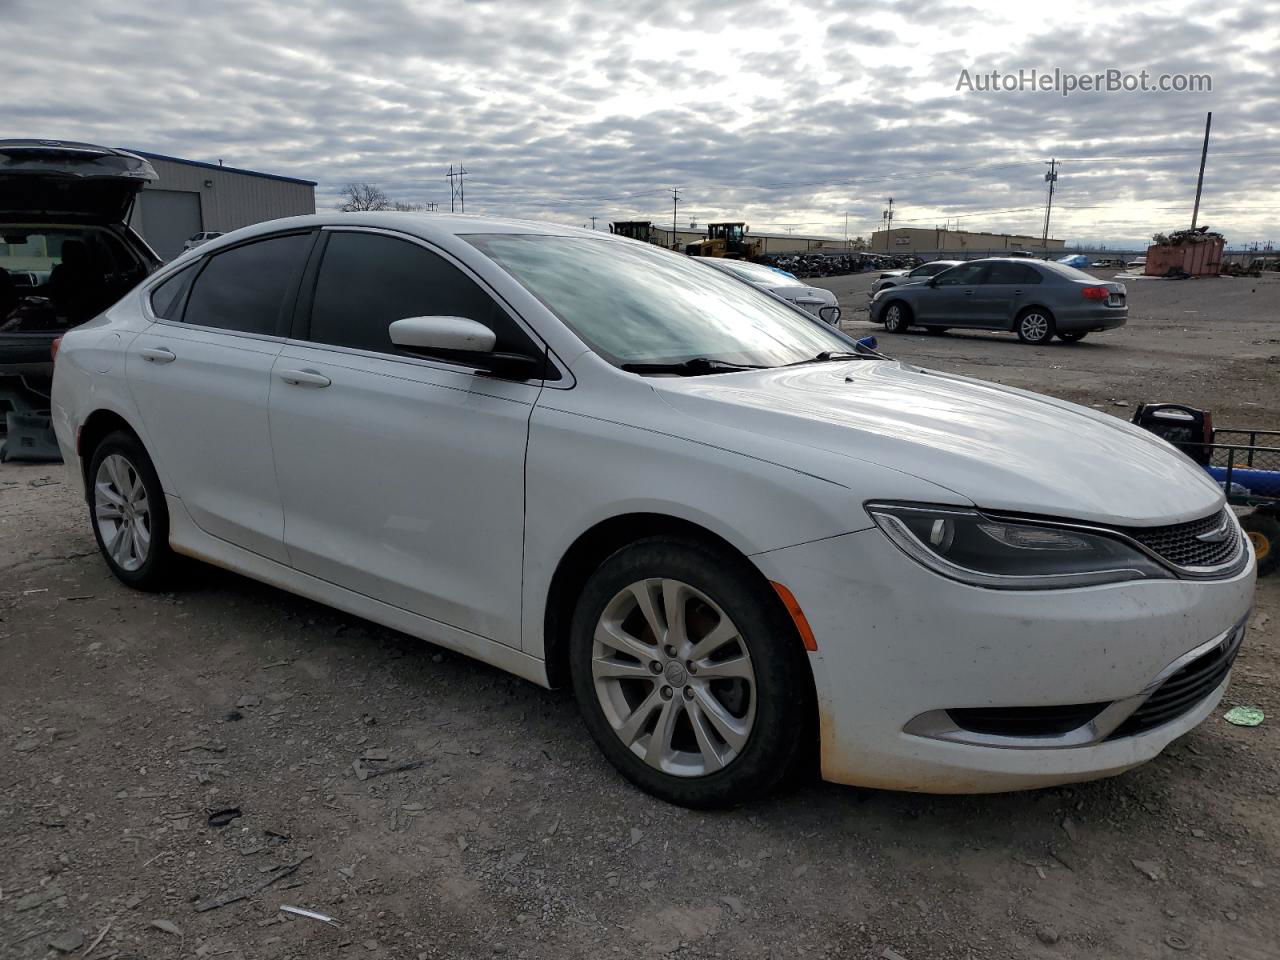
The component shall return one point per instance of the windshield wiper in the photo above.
(827, 356)
(694, 367)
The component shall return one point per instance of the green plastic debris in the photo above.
(1244, 716)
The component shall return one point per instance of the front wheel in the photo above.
(897, 317)
(1035, 326)
(1263, 530)
(688, 673)
(128, 513)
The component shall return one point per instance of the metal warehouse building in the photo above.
(969, 243)
(191, 197)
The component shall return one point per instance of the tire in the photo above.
(1072, 337)
(727, 739)
(897, 317)
(1264, 532)
(1035, 326)
(128, 513)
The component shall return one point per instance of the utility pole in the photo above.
(593, 223)
(888, 224)
(1051, 178)
(1204, 155)
(846, 231)
(457, 191)
(675, 202)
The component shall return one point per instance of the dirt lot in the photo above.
(126, 718)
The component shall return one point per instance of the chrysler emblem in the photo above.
(1215, 536)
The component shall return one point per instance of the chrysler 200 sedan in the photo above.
(743, 539)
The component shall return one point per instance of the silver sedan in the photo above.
(821, 303)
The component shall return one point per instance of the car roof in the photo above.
(429, 226)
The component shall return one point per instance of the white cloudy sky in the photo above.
(786, 113)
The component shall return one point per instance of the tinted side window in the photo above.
(962, 275)
(368, 281)
(245, 288)
(1012, 273)
(166, 298)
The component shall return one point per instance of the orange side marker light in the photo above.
(797, 615)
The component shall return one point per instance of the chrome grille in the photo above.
(1179, 545)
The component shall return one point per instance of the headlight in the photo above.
(973, 548)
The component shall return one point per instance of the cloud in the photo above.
(786, 114)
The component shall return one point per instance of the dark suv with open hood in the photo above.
(66, 251)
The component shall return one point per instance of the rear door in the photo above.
(402, 477)
(951, 298)
(1005, 290)
(200, 377)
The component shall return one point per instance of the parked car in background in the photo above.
(823, 304)
(1138, 263)
(1035, 299)
(892, 278)
(66, 252)
(198, 238)
(733, 532)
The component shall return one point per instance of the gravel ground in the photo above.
(126, 718)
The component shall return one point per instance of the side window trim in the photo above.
(301, 327)
(203, 261)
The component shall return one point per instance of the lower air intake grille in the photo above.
(1184, 689)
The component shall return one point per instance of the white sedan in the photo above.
(821, 303)
(740, 538)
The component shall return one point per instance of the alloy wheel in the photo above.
(122, 512)
(1035, 327)
(893, 318)
(673, 677)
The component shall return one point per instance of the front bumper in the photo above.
(898, 646)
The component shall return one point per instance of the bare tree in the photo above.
(410, 207)
(363, 196)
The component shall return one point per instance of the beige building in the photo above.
(938, 240)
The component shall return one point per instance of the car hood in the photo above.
(1001, 448)
(47, 180)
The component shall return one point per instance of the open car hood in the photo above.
(48, 180)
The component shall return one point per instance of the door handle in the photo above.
(304, 378)
(1016, 292)
(968, 293)
(158, 354)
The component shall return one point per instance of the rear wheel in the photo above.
(128, 513)
(1035, 326)
(688, 673)
(897, 317)
(1263, 530)
(1072, 337)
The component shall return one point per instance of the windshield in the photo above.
(637, 304)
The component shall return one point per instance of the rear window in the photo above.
(1071, 273)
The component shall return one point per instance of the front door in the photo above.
(402, 477)
(200, 377)
(951, 298)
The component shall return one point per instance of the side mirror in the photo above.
(431, 334)
(461, 339)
